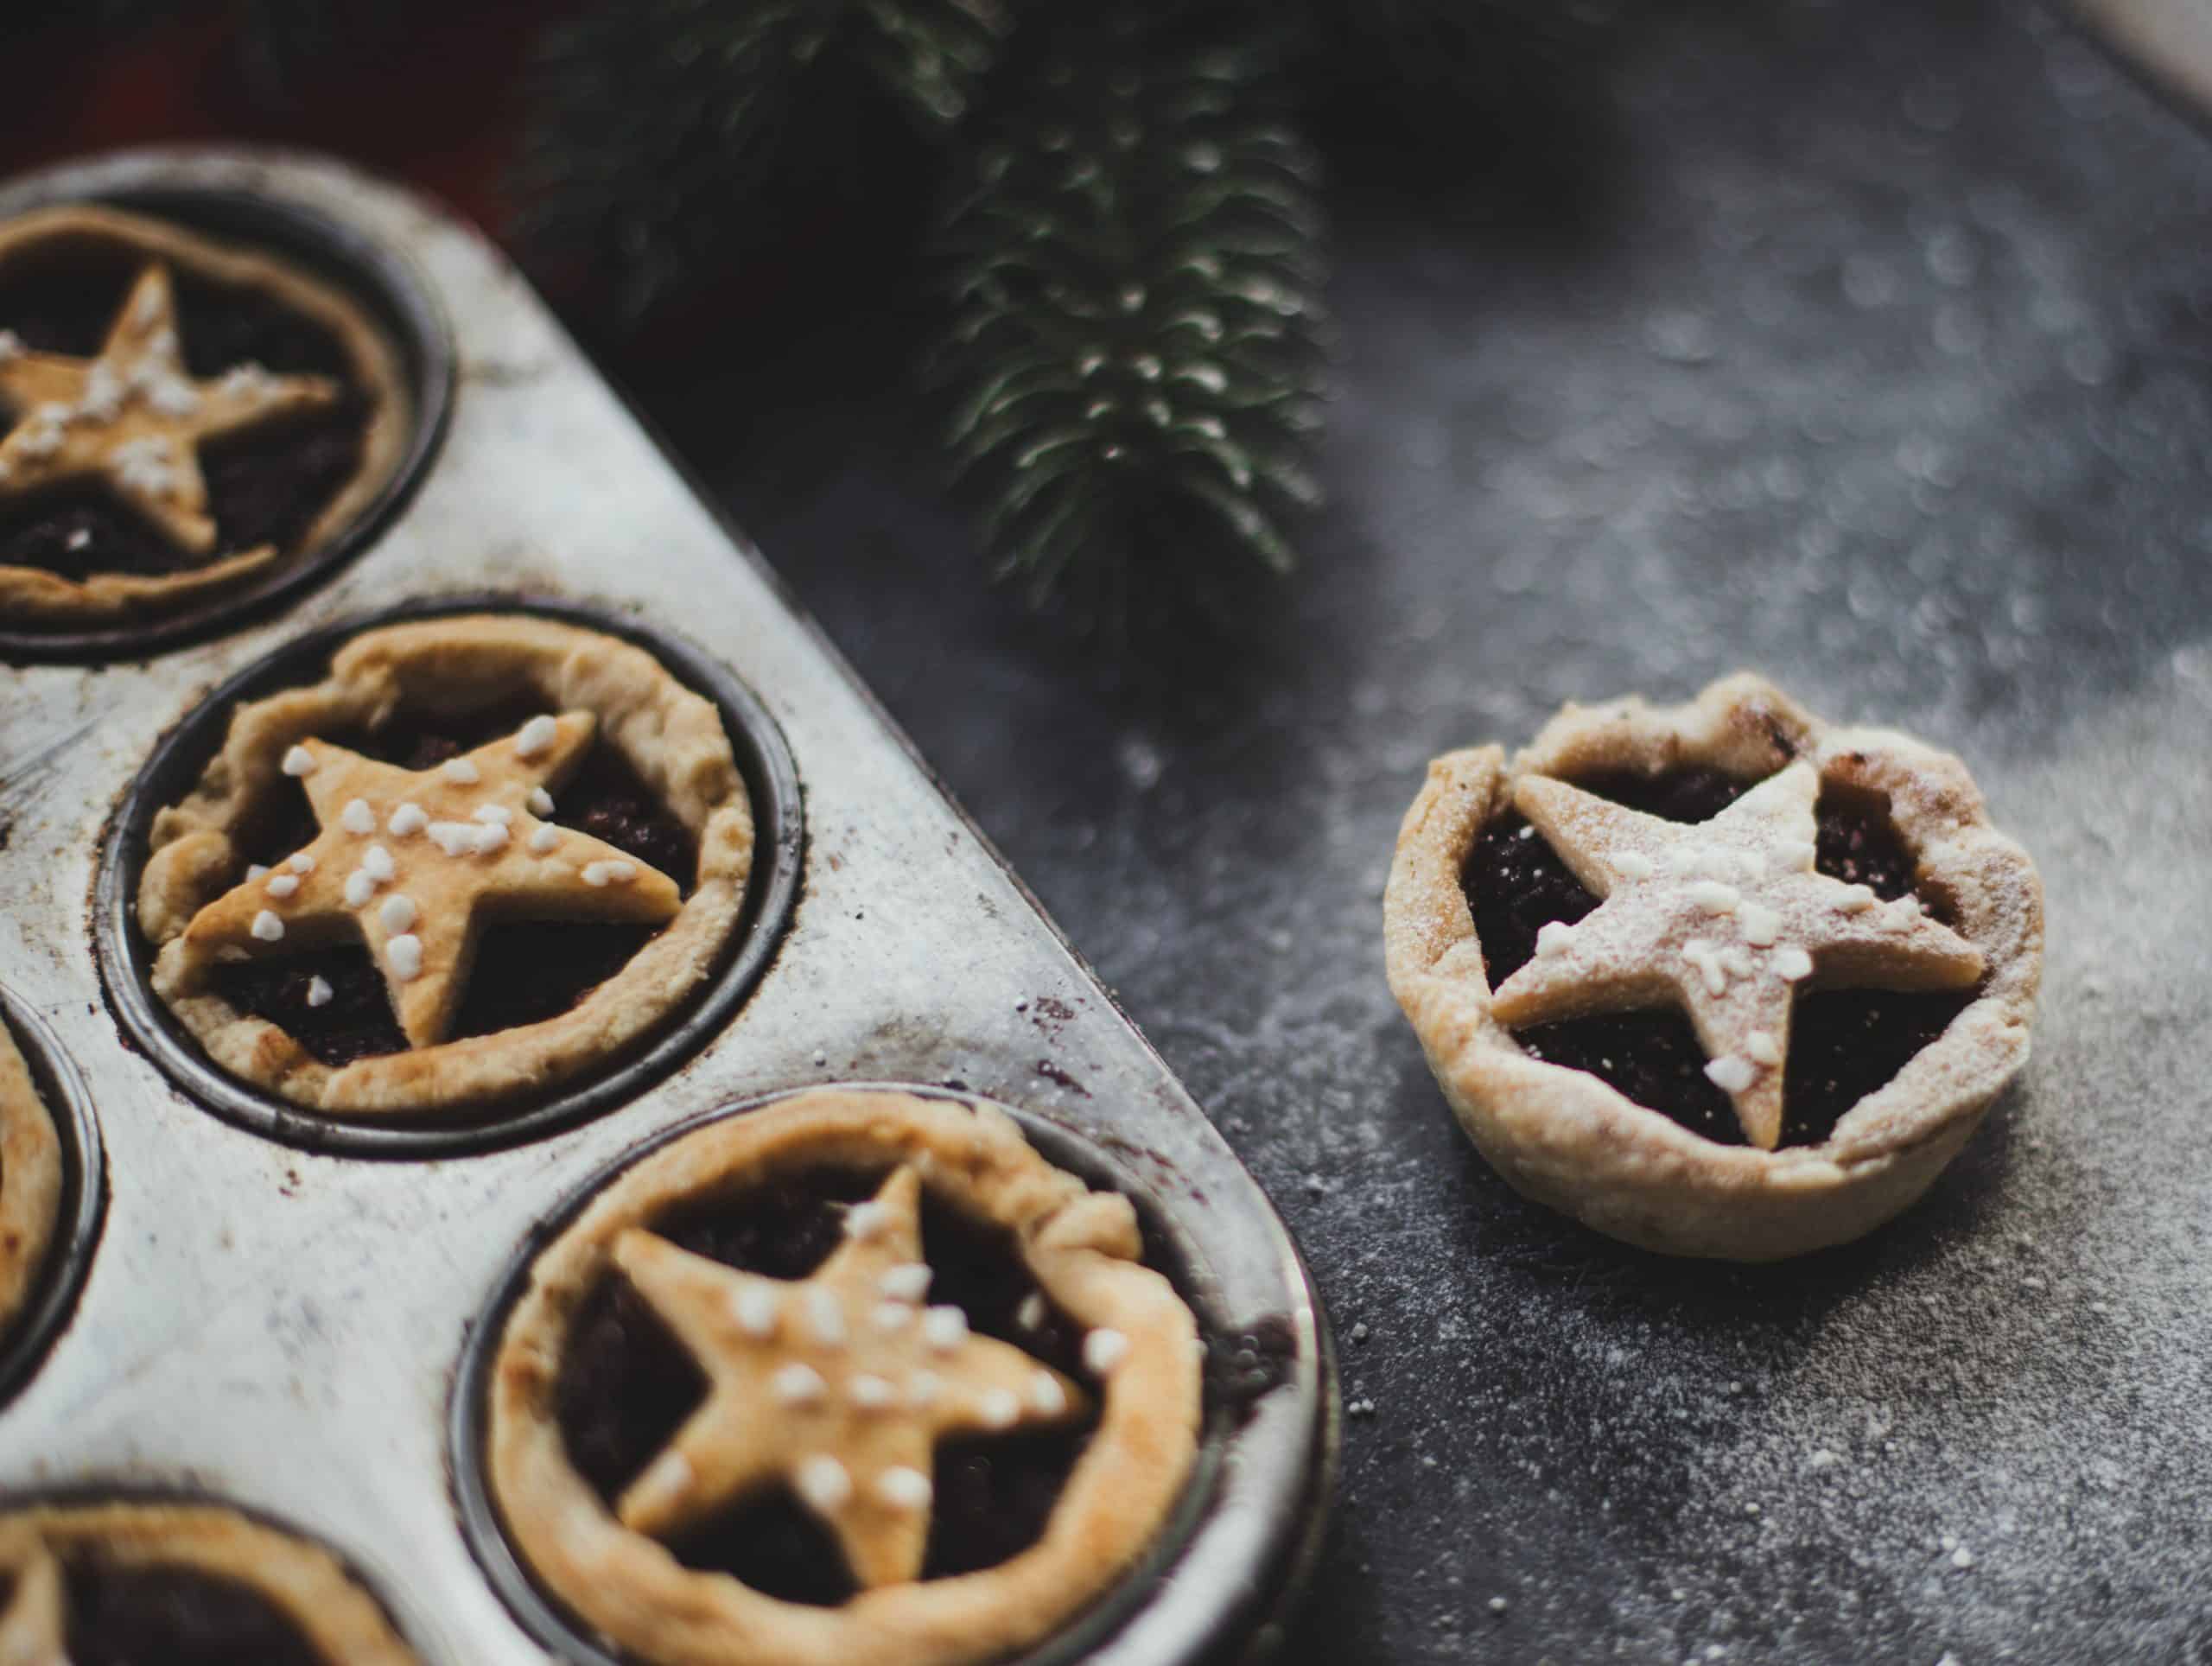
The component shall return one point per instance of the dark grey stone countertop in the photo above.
(1867, 344)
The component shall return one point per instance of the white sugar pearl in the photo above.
(499, 813)
(318, 992)
(302, 863)
(1791, 963)
(397, 913)
(621, 872)
(908, 1282)
(1555, 937)
(490, 837)
(798, 1385)
(357, 816)
(1793, 857)
(408, 820)
(1103, 1349)
(1759, 923)
(298, 761)
(360, 887)
(825, 1317)
(460, 772)
(904, 1489)
(822, 1483)
(866, 1220)
(1759, 1047)
(1712, 897)
(890, 1315)
(998, 1408)
(871, 1393)
(594, 874)
(543, 838)
(541, 802)
(377, 863)
(404, 955)
(1047, 1396)
(1031, 1315)
(257, 870)
(283, 884)
(455, 838)
(1732, 1074)
(536, 736)
(755, 1311)
(1855, 899)
(1633, 865)
(944, 1328)
(267, 926)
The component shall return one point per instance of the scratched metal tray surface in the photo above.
(281, 1327)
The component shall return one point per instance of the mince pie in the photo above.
(177, 415)
(859, 1378)
(30, 1183)
(1719, 979)
(185, 1585)
(486, 855)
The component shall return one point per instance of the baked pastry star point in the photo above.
(808, 1389)
(1726, 917)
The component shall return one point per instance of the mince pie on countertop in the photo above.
(858, 1378)
(1719, 979)
(177, 414)
(487, 855)
(30, 1183)
(127, 1584)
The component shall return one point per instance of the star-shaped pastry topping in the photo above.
(34, 1626)
(840, 1385)
(412, 862)
(133, 418)
(1728, 916)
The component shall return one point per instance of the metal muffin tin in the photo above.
(126, 957)
(392, 292)
(284, 1325)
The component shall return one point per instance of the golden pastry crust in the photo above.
(1568, 1139)
(304, 1583)
(673, 737)
(30, 1181)
(36, 596)
(1083, 1250)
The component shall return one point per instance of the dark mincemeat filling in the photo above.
(627, 1385)
(525, 970)
(265, 485)
(1843, 1043)
(132, 1616)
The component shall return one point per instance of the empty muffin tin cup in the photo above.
(396, 299)
(127, 958)
(1220, 1582)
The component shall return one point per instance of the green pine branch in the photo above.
(1134, 268)
(660, 131)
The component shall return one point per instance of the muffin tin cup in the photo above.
(127, 958)
(91, 1492)
(1223, 1613)
(396, 299)
(84, 1196)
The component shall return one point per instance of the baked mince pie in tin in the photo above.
(470, 871)
(50, 1191)
(180, 1582)
(1719, 979)
(855, 1376)
(204, 400)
